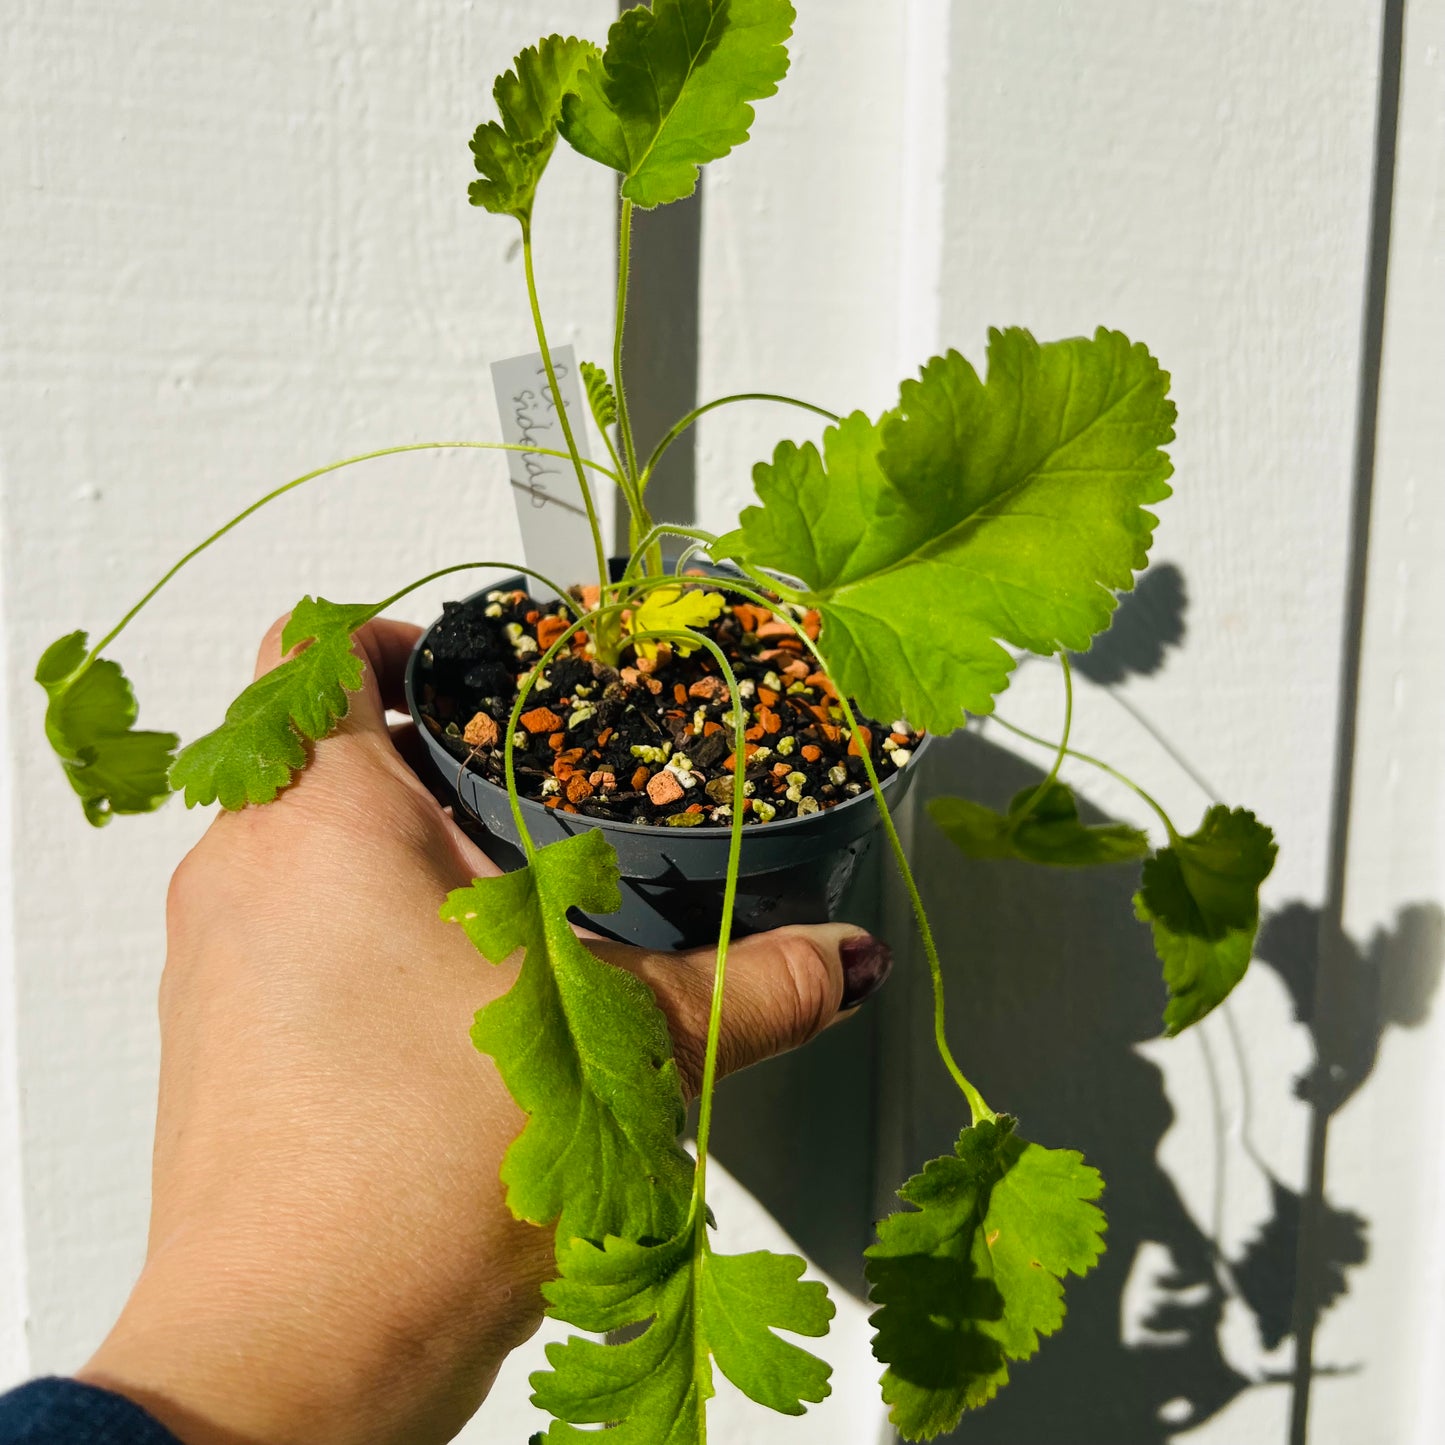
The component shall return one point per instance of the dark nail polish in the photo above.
(867, 962)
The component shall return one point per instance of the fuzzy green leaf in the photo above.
(512, 155)
(671, 609)
(1201, 897)
(671, 91)
(583, 1050)
(600, 396)
(698, 1307)
(977, 513)
(90, 712)
(968, 1279)
(262, 743)
(1044, 831)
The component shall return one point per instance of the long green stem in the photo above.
(301, 481)
(978, 1109)
(466, 567)
(1094, 762)
(1062, 750)
(627, 484)
(682, 424)
(976, 1106)
(624, 262)
(639, 518)
(773, 584)
(524, 691)
(572, 449)
(629, 491)
(730, 887)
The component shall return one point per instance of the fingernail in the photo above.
(867, 962)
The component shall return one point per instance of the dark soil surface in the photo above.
(647, 743)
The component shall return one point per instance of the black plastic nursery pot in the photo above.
(793, 870)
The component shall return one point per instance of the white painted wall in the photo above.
(1198, 175)
(237, 244)
(1202, 187)
(1386, 1154)
(14, 1349)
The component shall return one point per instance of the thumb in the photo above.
(384, 645)
(781, 989)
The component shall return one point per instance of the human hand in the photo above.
(331, 1259)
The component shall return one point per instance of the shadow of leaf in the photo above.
(1391, 981)
(1267, 1275)
(1148, 622)
(948, 1301)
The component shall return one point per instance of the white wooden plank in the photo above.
(14, 1291)
(801, 249)
(1197, 176)
(238, 246)
(1386, 1149)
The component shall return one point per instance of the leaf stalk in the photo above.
(1060, 753)
(1102, 766)
(682, 423)
(310, 476)
(605, 644)
(978, 1108)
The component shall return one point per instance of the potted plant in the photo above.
(758, 711)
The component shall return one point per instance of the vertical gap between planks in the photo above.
(1333, 959)
(660, 360)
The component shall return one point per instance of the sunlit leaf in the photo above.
(697, 1307)
(671, 91)
(583, 1050)
(969, 1278)
(977, 514)
(511, 155)
(90, 713)
(672, 609)
(262, 743)
(1200, 895)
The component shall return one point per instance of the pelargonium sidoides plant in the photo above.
(1013, 505)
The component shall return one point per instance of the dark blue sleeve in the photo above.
(65, 1412)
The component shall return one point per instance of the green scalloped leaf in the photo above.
(583, 1049)
(90, 712)
(970, 1278)
(671, 91)
(1037, 828)
(1200, 895)
(979, 513)
(673, 609)
(262, 743)
(511, 155)
(697, 1307)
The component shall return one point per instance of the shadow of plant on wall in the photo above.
(1390, 982)
(1147, 626)
(1054, 957)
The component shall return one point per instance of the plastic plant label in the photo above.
(555, 536)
